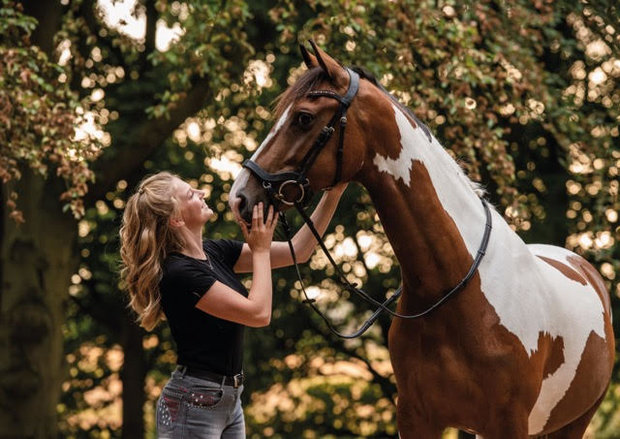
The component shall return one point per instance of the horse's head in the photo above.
(308, 149)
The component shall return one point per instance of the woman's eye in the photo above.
(305, 119)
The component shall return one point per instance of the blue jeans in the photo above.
(191, 407)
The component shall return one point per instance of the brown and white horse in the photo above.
(526, 348)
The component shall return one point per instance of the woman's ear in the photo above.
(176, 222)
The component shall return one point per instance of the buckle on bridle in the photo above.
(325, 134)
(280, 196)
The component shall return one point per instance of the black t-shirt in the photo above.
(203, 341)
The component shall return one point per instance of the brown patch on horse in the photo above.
(457, 348)
(453, 359)
(593, 366)
(565, 270)
(552, 351)
(372, 116)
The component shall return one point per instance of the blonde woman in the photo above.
(171, 273)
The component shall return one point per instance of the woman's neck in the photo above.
(192, 243)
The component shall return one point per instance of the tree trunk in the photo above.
(133, 375)
(37, 260)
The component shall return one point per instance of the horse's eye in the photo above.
(305, 119)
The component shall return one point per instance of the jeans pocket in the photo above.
(168, 412)
(204, 397)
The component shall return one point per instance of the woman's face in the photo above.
(192, 206)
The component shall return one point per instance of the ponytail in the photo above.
(146, 239)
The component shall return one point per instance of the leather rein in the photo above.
(299, 178)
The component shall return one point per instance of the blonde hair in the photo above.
(146, 240)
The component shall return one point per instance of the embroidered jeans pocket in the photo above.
(204, 397)
(168, 412)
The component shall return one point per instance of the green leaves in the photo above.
(39, 115)
(505, 86)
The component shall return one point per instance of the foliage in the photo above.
(38, 115)
(524, 94)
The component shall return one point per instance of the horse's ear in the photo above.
(329, 65)
(309, 59)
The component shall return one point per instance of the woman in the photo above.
(171, 273)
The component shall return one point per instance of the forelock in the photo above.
(300, 88)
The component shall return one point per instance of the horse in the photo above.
(526, 347)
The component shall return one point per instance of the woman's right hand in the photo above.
(259, 237)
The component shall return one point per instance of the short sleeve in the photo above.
(188, 285)
(228, 250)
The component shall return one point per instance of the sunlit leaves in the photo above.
(39, 116)
(508, 87)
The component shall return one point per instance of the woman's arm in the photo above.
(255, 310)
(303, 241)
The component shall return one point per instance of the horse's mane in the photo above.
(369, 76)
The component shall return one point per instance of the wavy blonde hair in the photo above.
(146, 240)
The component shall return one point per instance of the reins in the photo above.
(299, 178)
(381, 306)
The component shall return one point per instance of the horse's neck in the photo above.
(431, 215)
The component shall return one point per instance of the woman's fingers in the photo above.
(274, 219)
(259, 222)
(260, 214)
(255, 222)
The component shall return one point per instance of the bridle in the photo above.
(300, 179)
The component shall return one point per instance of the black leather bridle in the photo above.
(299, 176)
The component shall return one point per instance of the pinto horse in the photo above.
(526, 348)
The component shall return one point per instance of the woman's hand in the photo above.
(260, 235)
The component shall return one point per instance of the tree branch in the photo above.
(49, 16)
(130, 152)
(87, 12)
(151, 29)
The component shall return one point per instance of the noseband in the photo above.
(298, 177)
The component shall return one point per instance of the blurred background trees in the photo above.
(96, 94)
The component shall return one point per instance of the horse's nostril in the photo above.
(243, 201)
(245, 210)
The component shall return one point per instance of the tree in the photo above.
(40, 256)
(526, 110)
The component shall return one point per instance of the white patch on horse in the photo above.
(530, 297)
(279, 124)
(243, 176)
(579, 312)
